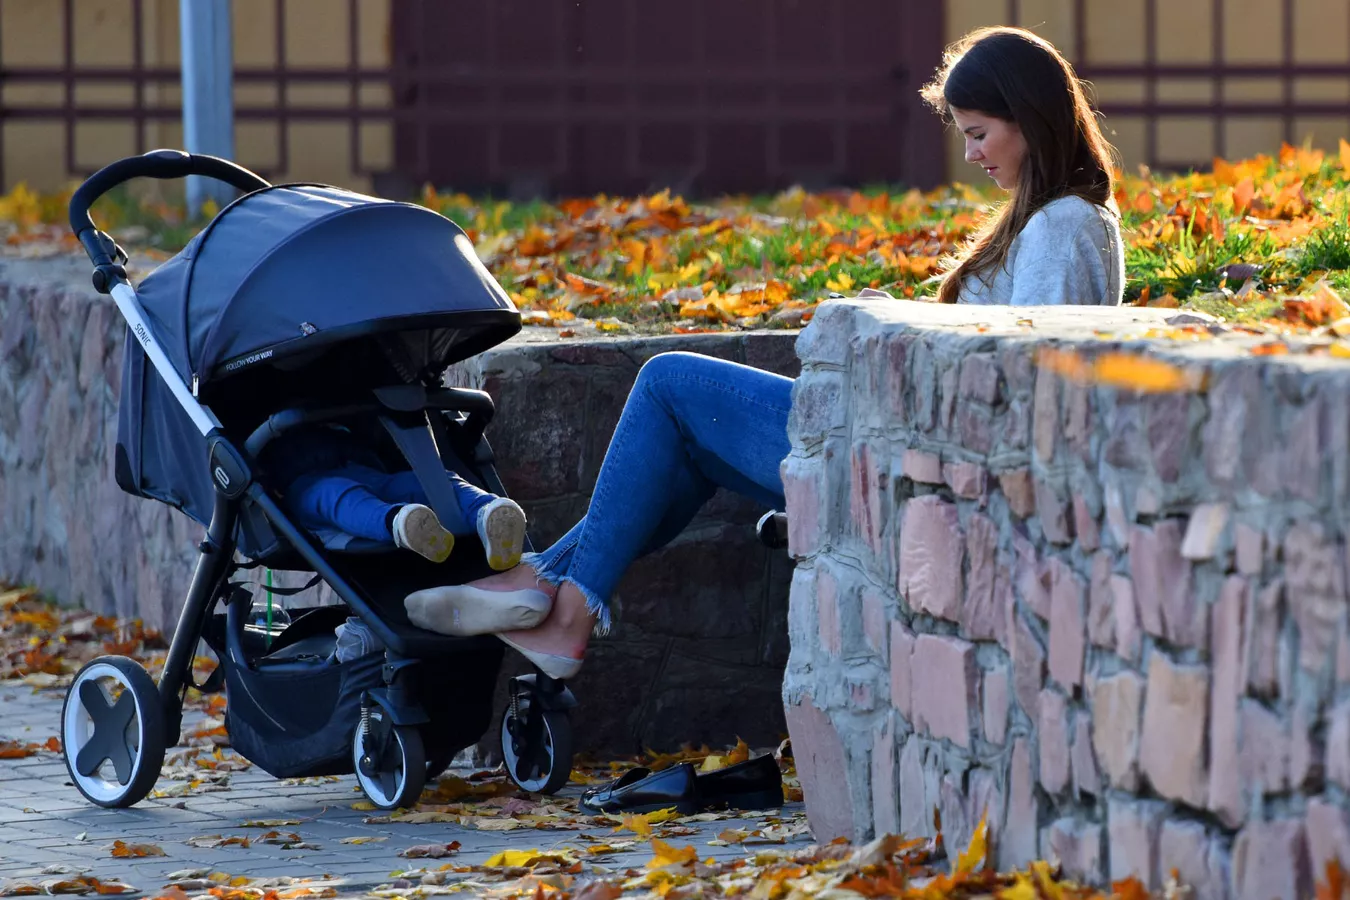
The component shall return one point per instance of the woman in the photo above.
(1026, 121)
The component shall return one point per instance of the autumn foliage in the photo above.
(1262, 241)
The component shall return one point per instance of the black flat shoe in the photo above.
(639, 791)
(753, 784)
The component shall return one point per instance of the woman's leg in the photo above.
(340, 500)
(691, 423)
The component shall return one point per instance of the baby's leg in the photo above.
(499, 522)
(337, 500)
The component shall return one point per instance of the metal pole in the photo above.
(208, 92)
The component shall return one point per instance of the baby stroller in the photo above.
(303, 304)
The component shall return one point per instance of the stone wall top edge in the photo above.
(1124, 327)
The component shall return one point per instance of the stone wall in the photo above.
(1114, 622)
(701, 641)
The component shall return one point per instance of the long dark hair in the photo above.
(1014, 75)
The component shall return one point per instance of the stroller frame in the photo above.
(388, 756)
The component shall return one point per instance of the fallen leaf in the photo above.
(123, 849)
(432, 851)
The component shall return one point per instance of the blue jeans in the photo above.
(358, 500)
(691, 424)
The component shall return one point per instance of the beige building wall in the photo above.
(316, 36)
(1252, 32)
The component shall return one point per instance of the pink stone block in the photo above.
(1129, 633)
(1054, 514)
(1032, 577)
(1028, 659)
(1068, 628)
(868, 489)
(822, 769)
(944, 683)
(885, 789)
(984, 802)
(932, 549)
(1117, 519)
(801, 480)
(1162, 584)
(980, 613)
(1204, 531)
(1270, 859)
(1078, 847)
(1261, 642)
(1020, 492)
(1101, 617)
(1249, 548)
(1338, 746)
(1172, 744)
(1019, 838)
(1085, 525)
(1045, 415)
(1263, 754)
(1052, 729)
(1133, 829)
(1327, 826)
(1225, 651)
(1195, 858)
(1087, 777)
(874, 620)
(995, 712)
(827, 609)
(966, 479)
(902, 651)
(922, 466)
(916, 795)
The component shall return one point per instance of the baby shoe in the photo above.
(416, 528)
(501, 528)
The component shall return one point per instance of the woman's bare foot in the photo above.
(564, 632)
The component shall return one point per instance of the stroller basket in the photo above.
(297, 305)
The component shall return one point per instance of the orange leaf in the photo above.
(135, 851)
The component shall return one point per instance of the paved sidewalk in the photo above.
(45, 822)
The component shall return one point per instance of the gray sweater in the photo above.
(1069, 252)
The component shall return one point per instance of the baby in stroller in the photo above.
(336, 487)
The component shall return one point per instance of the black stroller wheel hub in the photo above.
(109, 741)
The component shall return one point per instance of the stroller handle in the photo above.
(155, 164)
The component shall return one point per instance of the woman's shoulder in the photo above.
(1064, 220)
(1069, 214)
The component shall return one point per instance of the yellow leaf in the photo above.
(639, 824)
(512, 858)
(842, 283)
(666, 855)
(1022, 889)
(974, 855)
(1141, 373)
(364, 805)
(1341, 349)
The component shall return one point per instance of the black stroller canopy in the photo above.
(292, 269)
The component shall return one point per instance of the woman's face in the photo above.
(996, 145)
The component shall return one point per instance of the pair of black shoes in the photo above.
(753, 784)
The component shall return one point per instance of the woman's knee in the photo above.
(680, 364)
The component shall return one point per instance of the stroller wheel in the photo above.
(537, 748)
(390, 761)
(112, 731)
